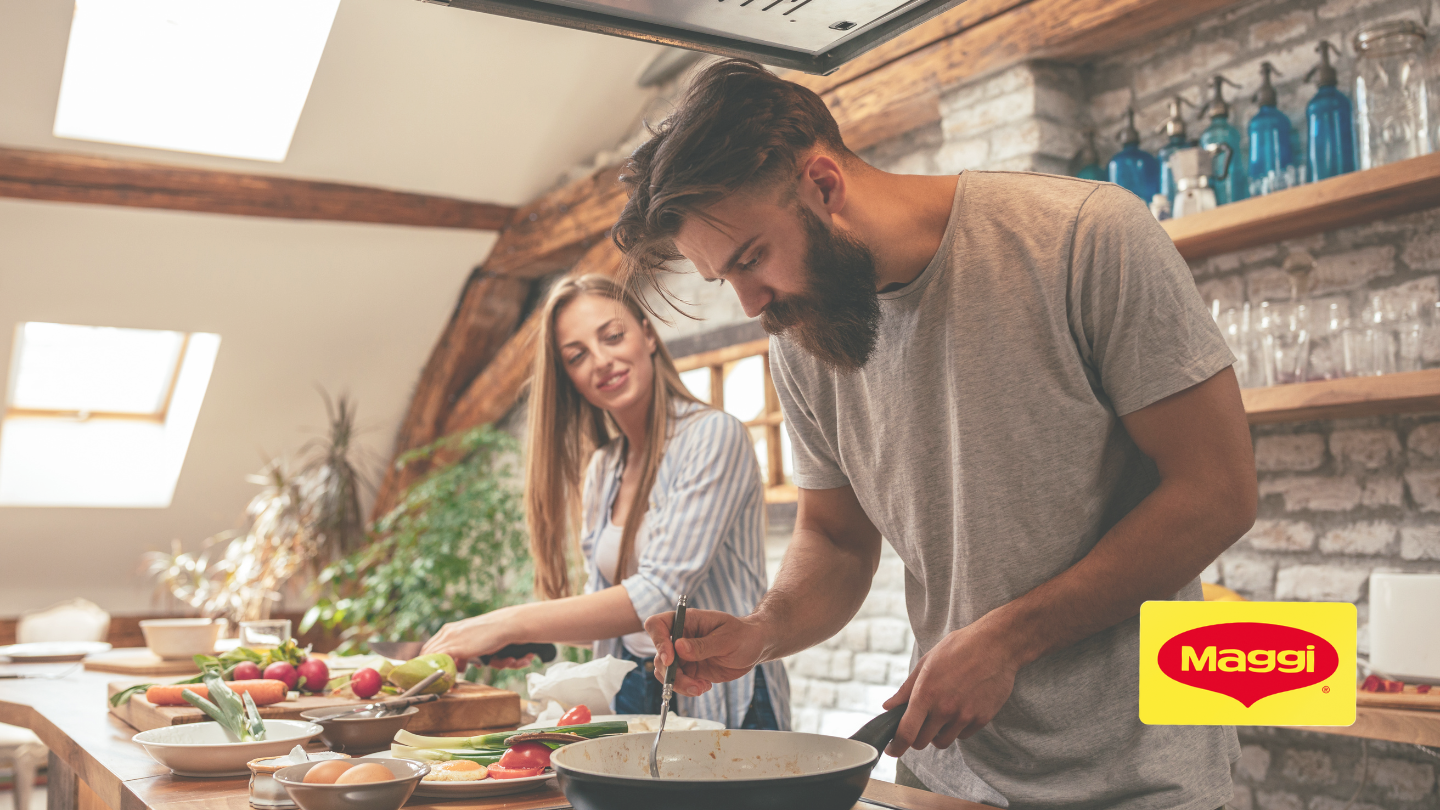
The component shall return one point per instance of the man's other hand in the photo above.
(955, 689)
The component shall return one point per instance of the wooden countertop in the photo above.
(69, 715)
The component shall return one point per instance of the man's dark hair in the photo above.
(738, 127)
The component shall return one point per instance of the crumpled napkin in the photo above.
(591, 684)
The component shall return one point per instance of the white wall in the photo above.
(297, 304)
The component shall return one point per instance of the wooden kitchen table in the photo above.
(95, 766)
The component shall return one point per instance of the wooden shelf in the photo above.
(1350, 199)
(1407, 392)
(1395, 725)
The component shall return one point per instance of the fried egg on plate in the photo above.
(455, 770)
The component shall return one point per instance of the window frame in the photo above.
(157, 417)
(771, 419)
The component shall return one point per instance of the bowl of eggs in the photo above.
(363, 783)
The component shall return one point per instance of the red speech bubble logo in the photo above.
(1248, 660)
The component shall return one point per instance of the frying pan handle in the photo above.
(545, 652)
(880, 731)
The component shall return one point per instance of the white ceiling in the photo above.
(408, 95)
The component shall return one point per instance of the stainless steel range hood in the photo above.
(815, 36)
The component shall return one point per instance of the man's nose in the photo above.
(753, 297)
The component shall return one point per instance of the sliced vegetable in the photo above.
(437, 755)
(578, 716)
(497, 771)
(526, 755)
(264, 692)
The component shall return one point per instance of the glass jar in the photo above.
(1392, 100)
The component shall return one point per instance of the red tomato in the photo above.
(578, 716)
(526, 755)
(498, 772)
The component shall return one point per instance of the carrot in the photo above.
(263, 691)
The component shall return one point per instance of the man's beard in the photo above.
(837, 319)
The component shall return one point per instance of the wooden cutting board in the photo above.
(1408, 699)
(141, 663)
(467, 706)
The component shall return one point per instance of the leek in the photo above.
(497, 740)
(438, 755)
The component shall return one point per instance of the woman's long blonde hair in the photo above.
(565, 429)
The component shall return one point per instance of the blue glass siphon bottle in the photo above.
(1236, 186)
(1088, 159)
(1133, 168)
(1270, 148)
(1329, 121)
(1174, 131)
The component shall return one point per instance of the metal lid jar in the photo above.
(1392, 93)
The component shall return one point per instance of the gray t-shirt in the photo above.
(983, 440)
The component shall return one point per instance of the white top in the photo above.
(607, 557)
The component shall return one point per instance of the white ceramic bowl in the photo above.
(205, 749)
(174, 639)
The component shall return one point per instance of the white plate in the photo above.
(700, 725)
(488, 786)
(205, 749)
(52, 652)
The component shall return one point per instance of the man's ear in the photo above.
(823, 184)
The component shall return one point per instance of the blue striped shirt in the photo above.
(705, 536)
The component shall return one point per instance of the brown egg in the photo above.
(365, 772)
(326, 772)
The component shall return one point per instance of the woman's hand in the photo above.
(477, 636)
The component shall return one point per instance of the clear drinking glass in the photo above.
(1410, 336)
(264, 635)
(1286, 343)
(1235, 326)
(1392, 96)
(1327, 350)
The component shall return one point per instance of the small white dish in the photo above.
(180, 639)
(488, 786)
(646, 719)
(206, 749)
(52, 652)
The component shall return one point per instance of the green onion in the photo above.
(497, 740)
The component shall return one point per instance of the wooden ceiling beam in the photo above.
(482, 322)
(550, 234)
(491, 394)
(59, 177)
(904, 93)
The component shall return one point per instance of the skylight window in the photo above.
(219, 77)
(98, 416)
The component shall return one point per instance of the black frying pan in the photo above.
(724, 770)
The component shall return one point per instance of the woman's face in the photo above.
(607, 353)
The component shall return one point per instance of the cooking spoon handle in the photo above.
(880, 731)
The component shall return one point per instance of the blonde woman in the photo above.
(670, 502)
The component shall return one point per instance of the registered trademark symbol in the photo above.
(1325, 689)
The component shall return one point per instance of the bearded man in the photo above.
(1012, 379)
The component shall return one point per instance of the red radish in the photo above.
(1394, 686)
(283, 671)
(365, 683)
(1371, 684)
(246, 671)
(1423, 688)
(313, 675)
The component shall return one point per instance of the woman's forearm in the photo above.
(585, 618)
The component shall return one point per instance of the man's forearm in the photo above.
(1152, 553)
(819, 588)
